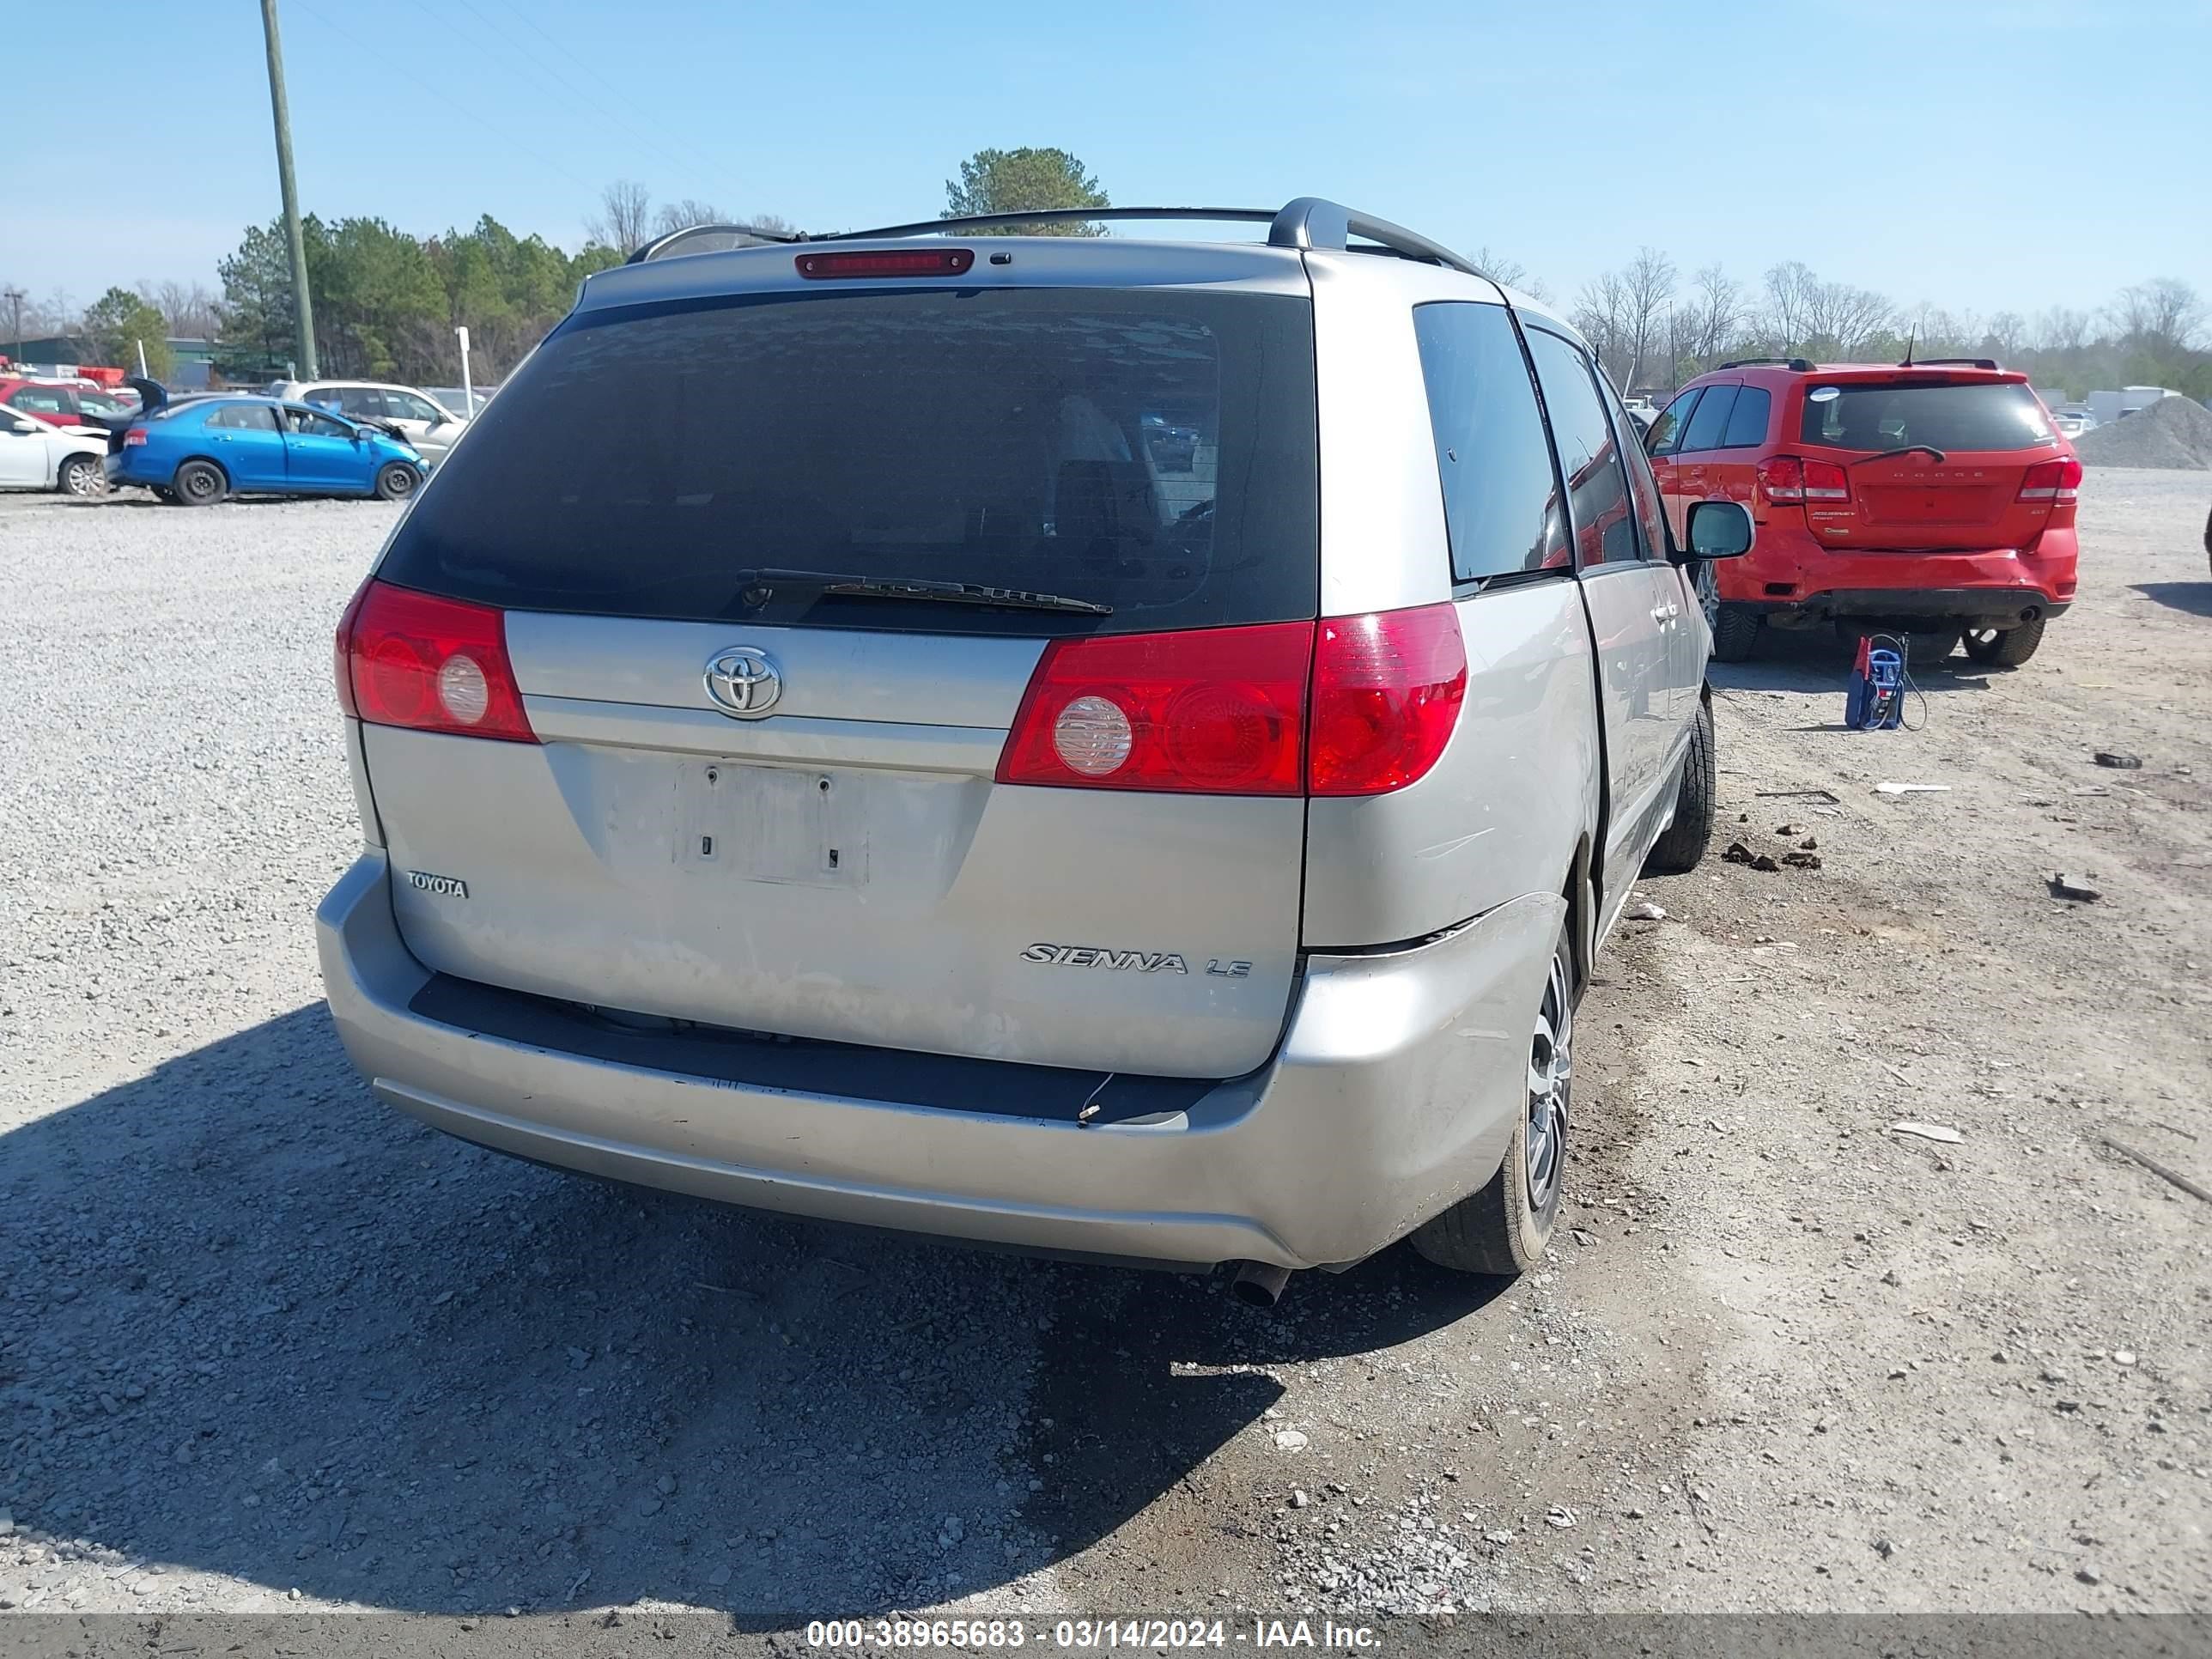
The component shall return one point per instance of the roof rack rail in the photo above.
(1794, 365)
(1953, 362)
(1308, 222)
(660, 247)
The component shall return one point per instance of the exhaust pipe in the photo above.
(1257, 1284)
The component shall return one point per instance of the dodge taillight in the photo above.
(1347, 705)
(2052, 481)
(1788, 478)
(430, 665)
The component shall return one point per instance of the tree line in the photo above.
(1652, 329)
(386, 300)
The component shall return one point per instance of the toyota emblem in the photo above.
(743, 681)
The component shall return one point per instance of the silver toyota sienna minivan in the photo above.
(1098, 745)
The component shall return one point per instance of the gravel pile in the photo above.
(2173, 432)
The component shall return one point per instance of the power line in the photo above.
(712, 166)
(442, 94)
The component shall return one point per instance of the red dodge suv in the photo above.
(1930, 499)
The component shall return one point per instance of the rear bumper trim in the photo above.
(1997, 606)
(1394, 1093)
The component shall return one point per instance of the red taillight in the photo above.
(901, 262)
(1825, 481)
(432, 665)
(133, 437)
(1786, 479)
(1387, 689)
(1214, 711)
(2052, 481)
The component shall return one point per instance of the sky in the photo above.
(1981, 156)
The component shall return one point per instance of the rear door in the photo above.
(25, 459)
(244, 438)
(1634, 605)
(1967, 444)
(760, 803)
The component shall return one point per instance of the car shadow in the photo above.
(259, 1324)
(2196, 597)
(1817, 661)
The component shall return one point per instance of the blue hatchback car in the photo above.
(201, 450)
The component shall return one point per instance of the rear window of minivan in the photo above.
(1992, 414)
(1149, 450)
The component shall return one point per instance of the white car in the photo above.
(427, 423)
(36, 456)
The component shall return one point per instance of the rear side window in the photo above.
(1597, 490)
(1994, 414)
(1149, 450)
(1501, 496)
(1666, 434)
(244, 417)
(1710, 423)
(1746, 421)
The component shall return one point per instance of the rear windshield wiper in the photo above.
(1928, 450)
(760, 586)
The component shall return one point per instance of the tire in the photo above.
(81, 476)
(1933, 648)
(396, 481)
(2005, 647)
(1505, 1228)
(1735, 634)
(1682, 848)
(200, 484)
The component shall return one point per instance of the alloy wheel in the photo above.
(1550, 1083)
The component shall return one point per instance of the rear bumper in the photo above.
(1795, 581)
(1394, 1093)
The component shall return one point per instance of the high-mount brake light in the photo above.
(889, 262)
(2052, 481)
(430, 665)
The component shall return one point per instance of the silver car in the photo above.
(1103, 746)
(415, 414)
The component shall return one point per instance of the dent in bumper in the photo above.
(1394, 1093)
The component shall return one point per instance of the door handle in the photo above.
(1663, 614)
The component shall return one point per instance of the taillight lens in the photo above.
(1783, 478)
(431, 664)
(1825, 481)
(1214, 711)
(2052, 481)
(1786, 479)
(134, 437)
(1387, 689)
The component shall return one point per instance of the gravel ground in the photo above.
(266, 1343)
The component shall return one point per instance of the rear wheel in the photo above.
(396, 482)
(2004, 647)
(81, 476)
(1682, 848)
(1735, 633)
(1504, 1228)
(200, 484)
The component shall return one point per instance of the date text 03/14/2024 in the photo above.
(1088, 1634)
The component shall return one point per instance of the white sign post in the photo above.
(468, 387)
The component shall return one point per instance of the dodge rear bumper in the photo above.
(1980, 607)
(1395, 1092)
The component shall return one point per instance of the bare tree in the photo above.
(2163, 313)
(2006, 334)
(1648, 288)
(2061, 329)
(1509, 272)
(187, 308)
(682, 216)
(1601, 313)
(1714, 315)
(624, 220)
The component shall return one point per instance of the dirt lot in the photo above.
(265, 1343)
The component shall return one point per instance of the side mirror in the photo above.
(1718, 530)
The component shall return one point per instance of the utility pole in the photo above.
(303, 311)
(16, 296)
